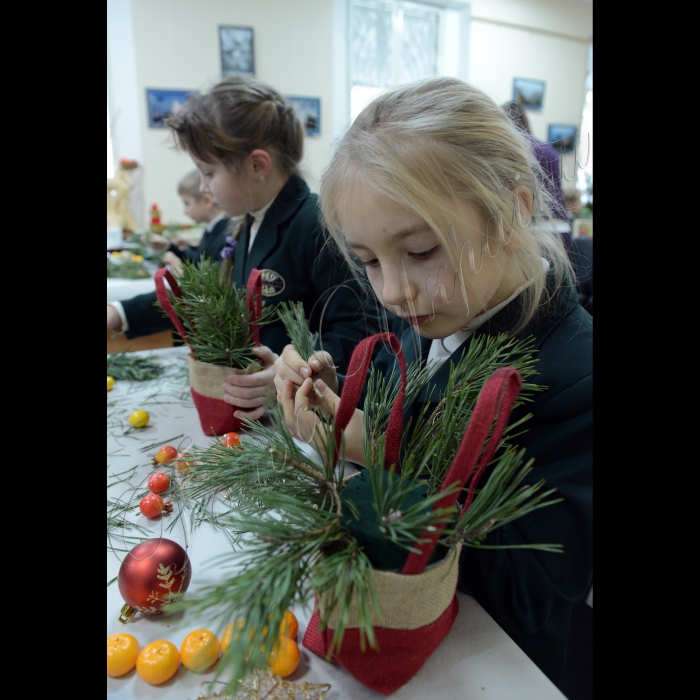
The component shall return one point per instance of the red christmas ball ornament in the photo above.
(153, 574)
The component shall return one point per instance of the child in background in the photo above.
(138, 316)
(247, 142)
(432, 197)
(200, 207)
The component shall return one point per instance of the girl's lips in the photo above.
(417, 320)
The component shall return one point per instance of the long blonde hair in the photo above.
(432, 145)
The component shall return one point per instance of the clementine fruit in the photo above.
(158, 662)
(122, 652)
(290, 625)
(199, 650)
(284, 658)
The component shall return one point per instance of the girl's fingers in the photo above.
(330, 399)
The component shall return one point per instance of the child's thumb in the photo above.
(330, 398)
(266, 356)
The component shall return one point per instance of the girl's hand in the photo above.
(290, 365)
(253, 392)
(304, 424)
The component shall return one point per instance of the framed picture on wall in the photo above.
(163, 103)
(562, 137)
(309, 111)
(529, 93)
(237, 56)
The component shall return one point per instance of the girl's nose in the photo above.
(396, 286)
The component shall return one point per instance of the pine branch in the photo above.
(127, 366)
(215, 317)
(294, 320)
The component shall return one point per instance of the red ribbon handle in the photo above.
(164, 298)
(253, 303)
(349, 397)
(496, 398)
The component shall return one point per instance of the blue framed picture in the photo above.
(163, 103)
(237, 51)
(309, 111)
(529, 93)
(562, 137)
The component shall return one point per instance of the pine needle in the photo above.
(125, 365)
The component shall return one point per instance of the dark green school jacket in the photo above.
(531, 594)
(297, 265)
(210, 245)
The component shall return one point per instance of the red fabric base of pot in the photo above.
(401, 655)
(215, 415)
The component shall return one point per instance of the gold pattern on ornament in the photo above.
(266, 686)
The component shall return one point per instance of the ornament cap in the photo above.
(127, 612)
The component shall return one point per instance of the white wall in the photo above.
(541, 39)
(174, 44)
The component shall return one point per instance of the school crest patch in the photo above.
(272, 283)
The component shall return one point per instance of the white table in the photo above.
(476, 660)
(119, 289)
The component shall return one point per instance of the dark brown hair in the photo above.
(235, 117)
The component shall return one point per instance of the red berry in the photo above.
(152, 505)
(158, 482)
(230, 440)
(165, 454)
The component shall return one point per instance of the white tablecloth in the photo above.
(119, 289)
(476, 660)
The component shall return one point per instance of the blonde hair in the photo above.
(434, 144)
(189, 185)
(235, 117)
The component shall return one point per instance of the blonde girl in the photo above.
(432, 197)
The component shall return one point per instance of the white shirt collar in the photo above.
(442, 348)
(209, 227)
(258, 216)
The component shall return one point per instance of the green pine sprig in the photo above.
(290, 513)
(127, 366)
(213, 311)
(294, 320)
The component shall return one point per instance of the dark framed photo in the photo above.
(237, 55)
(309, 111)
(529, 93)
(163, 103)
(562, 137)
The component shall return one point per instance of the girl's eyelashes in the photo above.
(426, 254)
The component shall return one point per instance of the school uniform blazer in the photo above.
(298, 265)
(144, 315)
(529, 593)
(210, 245)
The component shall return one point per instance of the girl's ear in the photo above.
(261, 163)
(522, 209)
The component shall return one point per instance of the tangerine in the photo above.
(122, 652)
(284, 658)
(199, 650)
(158, 662)
(290, 625)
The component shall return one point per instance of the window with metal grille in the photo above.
(391, 42)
